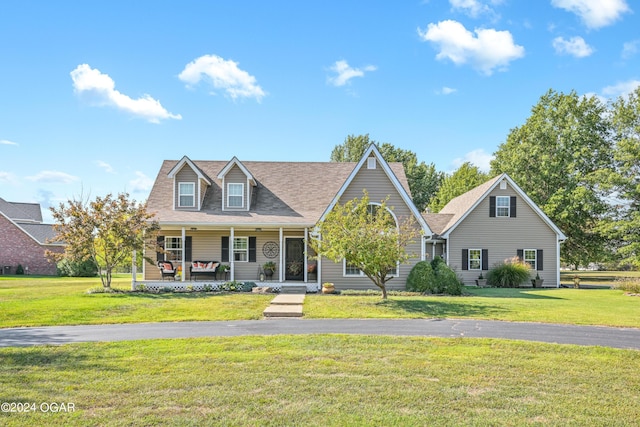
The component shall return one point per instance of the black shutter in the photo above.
(187, 248)
(512, 206)
(465, 259)
(160, 242)
(485, 259)
(492, 206)
(252, 249)
(520, 254)
(539, 265)
(225, 249)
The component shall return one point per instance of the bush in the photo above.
(630, 285)
(67, 268)
(19, 269)
(434, 278)
(509, 274)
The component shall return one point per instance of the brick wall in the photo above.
(17, 247)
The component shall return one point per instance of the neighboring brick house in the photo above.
(24, 239)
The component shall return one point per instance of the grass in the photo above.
(606, 278)
(45, 301)
(328, 380)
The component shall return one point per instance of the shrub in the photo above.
(434, 278)
(509, 274)
(19, 269)
(630, 285)
(68, 268)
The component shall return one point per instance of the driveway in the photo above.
(625, 338)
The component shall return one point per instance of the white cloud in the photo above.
(141, 184)
(474, 8)
(344, 72)
(53, 177)
(477, 157)
(100, 89)
(575, 46)
(630, 49)
(446, 90)
(620, 89)
(7, 177)
(223, 75)
(106, 166)
(7, 142)
(594, 13)
(486, 51)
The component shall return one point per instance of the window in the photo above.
(502, 206)
(530, 257)
(241, 249)
(371, 163)
(186, 194)
(173, 247)
(235, 195)
(475, 259)
(352, 270)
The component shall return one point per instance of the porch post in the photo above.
(231, 255)
(184, 241)
(281, 277)
(433, 250)
(306, 250)
(134, 270)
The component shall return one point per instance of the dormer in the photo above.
(189, 185)
(237, 183)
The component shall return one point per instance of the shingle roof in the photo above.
(295, 193)
(21, 211)
(42, 233)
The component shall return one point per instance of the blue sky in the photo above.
(94, 95)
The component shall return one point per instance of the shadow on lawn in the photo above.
(526, 293)
(441, 308)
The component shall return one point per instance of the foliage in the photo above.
(628, 284)
(434, 277)
(105, 231)
(269, 265)
(424, 180)
(68, 268)
(370, 241)
(561, 157)
(465, 178)
(509, 274)
(19, 270)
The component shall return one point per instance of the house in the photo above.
(25, 239)
(493, 222)
(243, 214)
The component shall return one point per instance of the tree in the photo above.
(626, 227)
(366, 236)
(465, 178)
(104, 231)
(560, 158)
(423, 179)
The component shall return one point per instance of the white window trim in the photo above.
(469, 259)
(361, 274)
(173, 250)
(508, 207)
(180, 194)
(233, 248)
(229, 195)
(535, 258)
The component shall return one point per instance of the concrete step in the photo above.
(283, 311)
(288, 299)
(293, 289)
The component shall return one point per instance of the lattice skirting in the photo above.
(214, 286)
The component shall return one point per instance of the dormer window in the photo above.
(235, 195)
(371, 163)
(186, 194)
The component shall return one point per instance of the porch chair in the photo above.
(167, 269)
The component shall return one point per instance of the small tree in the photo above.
(366, 236)
(105, 231)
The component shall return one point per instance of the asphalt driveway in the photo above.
(625, 338)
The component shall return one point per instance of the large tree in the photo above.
(424, 180)
(465, 178)
(560, 158)
(104, 231)
(626, 226)
(366, 236)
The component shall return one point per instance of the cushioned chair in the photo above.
(167, 269)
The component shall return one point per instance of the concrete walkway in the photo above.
(285, 305)
(626, 338)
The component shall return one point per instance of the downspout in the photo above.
(184, 247)
(231, 255)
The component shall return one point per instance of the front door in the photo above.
(294, 259)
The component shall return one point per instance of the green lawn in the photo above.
(323, 380)
(30, 301)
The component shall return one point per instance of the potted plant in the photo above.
(269, 268)
(537, 282)
(328, 288)
(223, 269)
(481, 281)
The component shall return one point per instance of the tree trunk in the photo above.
(384, 291)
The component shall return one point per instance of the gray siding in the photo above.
(236, 176)
(502, 237)
(186, 174)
